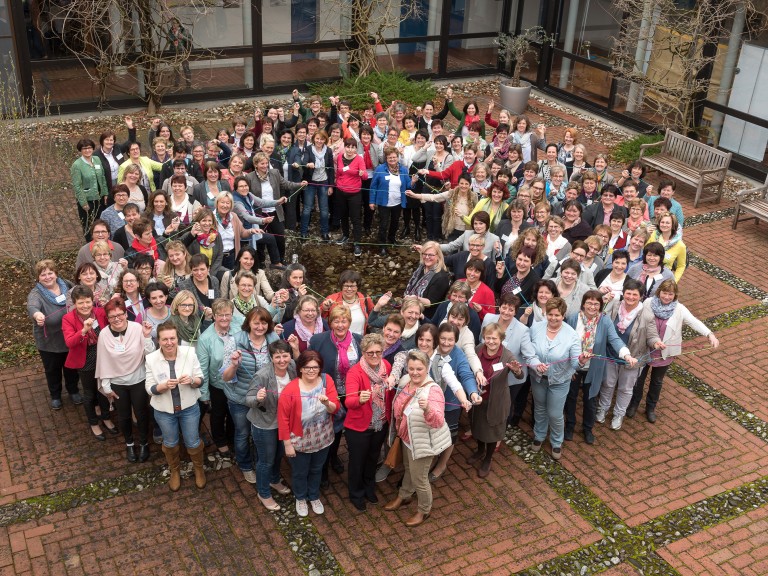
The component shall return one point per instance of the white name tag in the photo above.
(118, 157)
(210, 294)
(121, 215)
(184, 343)
(211, 195)
(658, 277)
(345, 169)
(498, 366)
(505, 238)
(119, 347)
(389, 178)
(162, 377)
(516, 291)
(589, 202)
(97, 167)
(95, 323)
(409, 408)
(128, 303)
(61, 298)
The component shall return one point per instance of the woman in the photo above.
(209, 189)
(181, 204)
(638, 215)
(610, 281)
(321, 182)
(569, 286)
(566, 148)
(483, 300)
(558, 246)
(495, 204)
(245, 298)
(489, 418)
(389, 190)
(157, 310)
(674, 249)
(574, 227)
(204, 286)
(481, 222)
(340, 350)
(81, 328)
(361, 306)
(246, 260)
(109, 271)
(138, 192)
(88, 276)
(411, 309)
(528, 140)
(457, 263)
(651, 271)
(350, 171)
(469, 114)
(457, 149)
(431, 279)
(165, 223)
(46, 306)
(576, 167)
(305, 426)
(419, 422)
(519, 278)
(128, 291)
(459, 203)
(596, 332)
(176, 270)
(204, 239)
(293, 285)
(229, 227)
(558, 355)
(513, 224)
(666, 317)
(234, 170)
(635, 244)
(266, 387)
(187, 318)
(246, 207)
(121, 372)
(369, 404)
(90, 185)
(173, 382)
(244, 356)
(306, 323)
(439, 158)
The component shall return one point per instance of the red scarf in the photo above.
(367, 156)
(207, 240)
(141, 249)
(469, 119)
(342, 346)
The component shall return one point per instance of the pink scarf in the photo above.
(626, 318)
(648, 271)
(343, 347)
(303, 333)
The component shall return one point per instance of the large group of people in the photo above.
(540, 278)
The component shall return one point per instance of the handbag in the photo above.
(395, 454)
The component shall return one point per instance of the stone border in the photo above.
(727, 278)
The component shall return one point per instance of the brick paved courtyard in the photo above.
(688, 495)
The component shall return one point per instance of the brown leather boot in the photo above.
(417, 519)
(172, 456)
(397, 503)
(196, 454)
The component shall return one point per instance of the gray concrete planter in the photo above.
(514, 98)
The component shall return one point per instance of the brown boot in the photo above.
(196, 454)
(397, 503)
(417, 519)
(172, 456)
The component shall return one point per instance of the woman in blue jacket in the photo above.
(389, 184)
(595, 331)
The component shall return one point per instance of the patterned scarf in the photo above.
(244, 306)
(207, 240)
(590, 329)
(303, 332)
(649, 272)
(419, 281)
(663, 311)
(377, 376)
(626, 317)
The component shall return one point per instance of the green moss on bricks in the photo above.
(730, 319)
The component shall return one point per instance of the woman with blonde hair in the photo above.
(187, 317)
(431, 279)
(459, 203)
(176, 268)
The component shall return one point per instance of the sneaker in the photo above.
(301, 508)
(56, 404)
(343, 240)
(76, 399)
(358, 250)
(250, 476)
(317, 506)
(557, 453)
(536, 446)
(600, 415)
(382, 473)
(616, 422)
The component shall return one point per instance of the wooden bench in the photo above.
(756, 207)
(689, 161)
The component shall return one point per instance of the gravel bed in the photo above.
(724, 276)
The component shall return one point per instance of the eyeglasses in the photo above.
(477, 245)
(116, 316)
(311, 368)
(426, 255)
(308, 311)
(190, 305)
(373, 353)
(539, 188)
(223, 316)
(349, 286)
(130, 281)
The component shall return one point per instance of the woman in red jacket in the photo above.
(350, 283)
(81, 328)
(305, 425)
(350, 171)
(369, 406)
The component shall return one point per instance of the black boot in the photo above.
(418, 234)
(130, 453)
(143, 452)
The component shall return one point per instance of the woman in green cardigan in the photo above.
(470, 113)
(90, 185)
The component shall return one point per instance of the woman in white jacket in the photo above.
(665, 317)
(174, 378)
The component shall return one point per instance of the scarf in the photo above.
(663, 311)
(207, 240)
(656, 237)
(367, 157)
(244, 306)
(590, 329)
(627, 317)
(113, 364)
(181, 209)
(408, 332)
(225, 220)
(92, 337)
(377, 377)
(141, 249)
(469, 119)
(503, 151)
(487, 361)
(342, 346)
(538, 313)
(392, 349)
(50, 296)
(419, 281)
(303, 333)
(188, 329)
(649, 272)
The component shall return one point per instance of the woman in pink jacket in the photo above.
(350, 171)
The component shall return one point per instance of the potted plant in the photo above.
(514, 49)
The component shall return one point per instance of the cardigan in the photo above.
(562, 353)
(49, 337)
(359, 414)
(237, 388)
(72, 327)
(148, 166)
(193, 247)
(441, 314)
(88, 181)
(278, 183)
(366, 305)
(348, 179)
(379, 189)
(158, 371)
(436, 290)
(289, 407)
(457, 264)
(210, 353)
(517, 340)
(594, 214)
(460, 116)
(638, 341)
(200, 193)
(462, 243)
(119, 154)
(263, 414)
(673, 333)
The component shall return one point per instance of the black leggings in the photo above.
(348, 206)
(222, 426)
(92, 397)
(56, 373)
(132, 397)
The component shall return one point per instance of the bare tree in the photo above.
(141, 39)
(664, 49)
(32, 165)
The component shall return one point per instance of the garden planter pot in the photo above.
(515, 98)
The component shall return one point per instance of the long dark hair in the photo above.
(245, 249)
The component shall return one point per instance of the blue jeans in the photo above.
(187, 420)
(306, 470)
(269, 454)
(548, 404)
(309, 204)
(239, 414)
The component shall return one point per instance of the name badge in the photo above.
(504, 343)
(118, 157)
(119, 347)
(95, 323)
(211, 195)
(516, 291)
(505, 238)
(61, 298)
(210, 294)
(345, 169)
(589, 202)
(389, 178)
(128, 303)
(97, 167)
(121, 215)
(409, 409)
(162, 377)
(658, 277)
(498, 367)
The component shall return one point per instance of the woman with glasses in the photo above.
(121, 372)
(361, 306)
(305, 323)
(305, 426)
(431, 279)
(187, 317)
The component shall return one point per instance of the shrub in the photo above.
(629, 150)
(388, 85)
